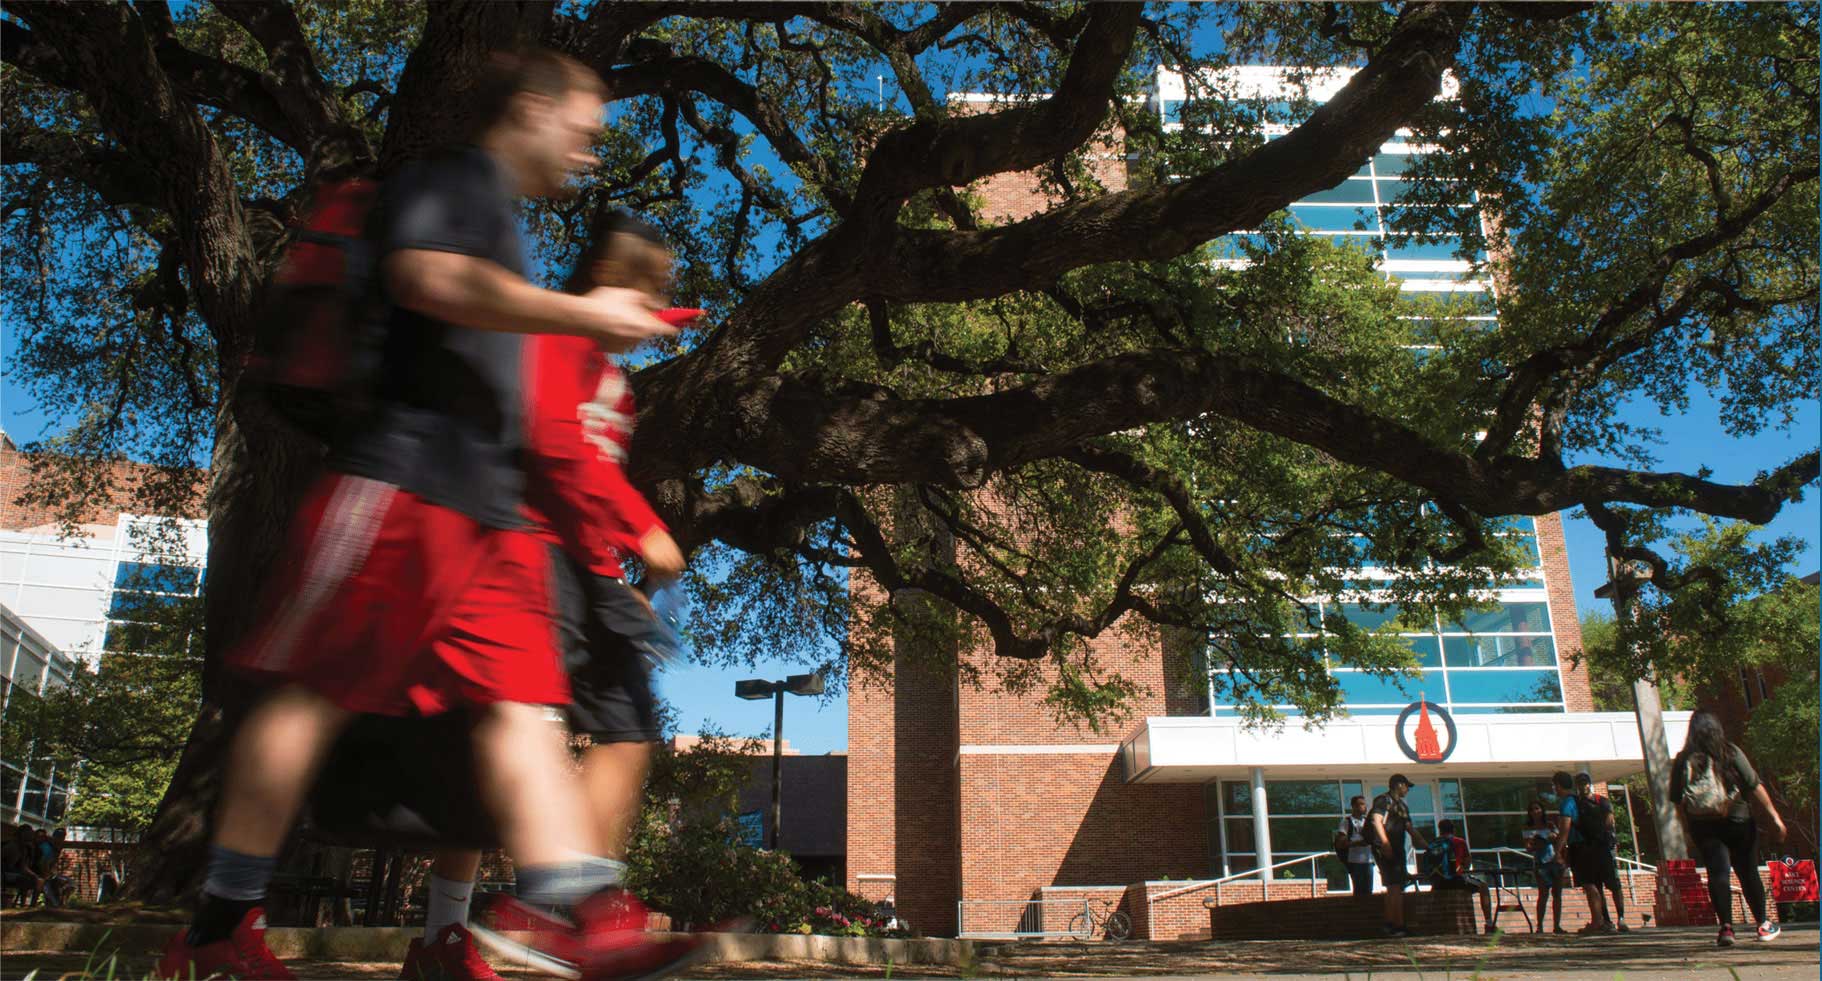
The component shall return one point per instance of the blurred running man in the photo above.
(409, 585)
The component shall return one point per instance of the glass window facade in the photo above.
(64, 600)
(1503, 659)
(32, 790)
(139, 589)
(1489, 813)
(1496, 660)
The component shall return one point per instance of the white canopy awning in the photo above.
(1195, 749)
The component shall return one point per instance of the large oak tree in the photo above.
(1028, 432)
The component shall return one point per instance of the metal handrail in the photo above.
(1314, 858)
(1642, 866)
(1633, 868)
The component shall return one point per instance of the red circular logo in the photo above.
(1422, 743)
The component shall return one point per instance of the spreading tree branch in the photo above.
(108, 48)
(871, 255)
(806, 434)
(1612, 336)
(332, 144)
(958, 150)
(110, 173)
(661, 72)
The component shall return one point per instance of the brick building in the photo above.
(978, 814)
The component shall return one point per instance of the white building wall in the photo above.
(63, 587)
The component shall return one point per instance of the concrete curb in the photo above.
(386, 944)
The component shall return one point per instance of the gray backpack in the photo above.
(1705, 794)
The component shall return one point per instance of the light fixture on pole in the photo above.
(754, 689)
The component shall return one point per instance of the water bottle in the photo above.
(671, 604)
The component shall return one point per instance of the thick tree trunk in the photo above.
(259, 470)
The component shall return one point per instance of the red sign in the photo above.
(1793, 882)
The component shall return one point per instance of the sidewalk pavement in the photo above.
(1680, 953)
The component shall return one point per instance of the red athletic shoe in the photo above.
(525, 935)
(607, 939)
(452, 956)
(243, 955)
(614, 943)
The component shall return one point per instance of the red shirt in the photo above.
(1458, 854)
(579, 424)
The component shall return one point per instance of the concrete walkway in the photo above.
(1644, 954)
(1656, 953)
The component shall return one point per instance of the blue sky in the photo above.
(1693, 440)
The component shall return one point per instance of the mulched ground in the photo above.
(112, 913)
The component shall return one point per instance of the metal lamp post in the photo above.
(757, 688)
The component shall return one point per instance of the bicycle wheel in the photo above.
(1119, 926)
(1080, 927)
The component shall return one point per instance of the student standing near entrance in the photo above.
(1388, 823)
(1575, 850)
(1351, 837)
(1540, 841)
(1715, 789)
(1598, 866)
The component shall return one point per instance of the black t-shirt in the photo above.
(1397, 818)
(449, 419)
(1747, 779)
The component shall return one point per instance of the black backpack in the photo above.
(1591, 814)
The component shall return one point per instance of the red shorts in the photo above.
(386, 603)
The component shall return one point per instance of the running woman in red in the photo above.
(405, 586)
(579, 421)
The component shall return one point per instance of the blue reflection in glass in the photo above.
(1504, 686)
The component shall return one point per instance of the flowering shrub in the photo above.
(835, 913)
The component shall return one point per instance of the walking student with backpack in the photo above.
(1597, 866)
(409, 586)
(1716, 792)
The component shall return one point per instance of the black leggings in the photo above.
(1721, 844)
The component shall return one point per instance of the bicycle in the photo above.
(1084, 925)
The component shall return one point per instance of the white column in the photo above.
(1262, 826)
(1221, 829)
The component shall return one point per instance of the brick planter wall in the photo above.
(1176, 911)
(1339, 917)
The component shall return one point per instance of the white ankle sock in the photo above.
(449, 900)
